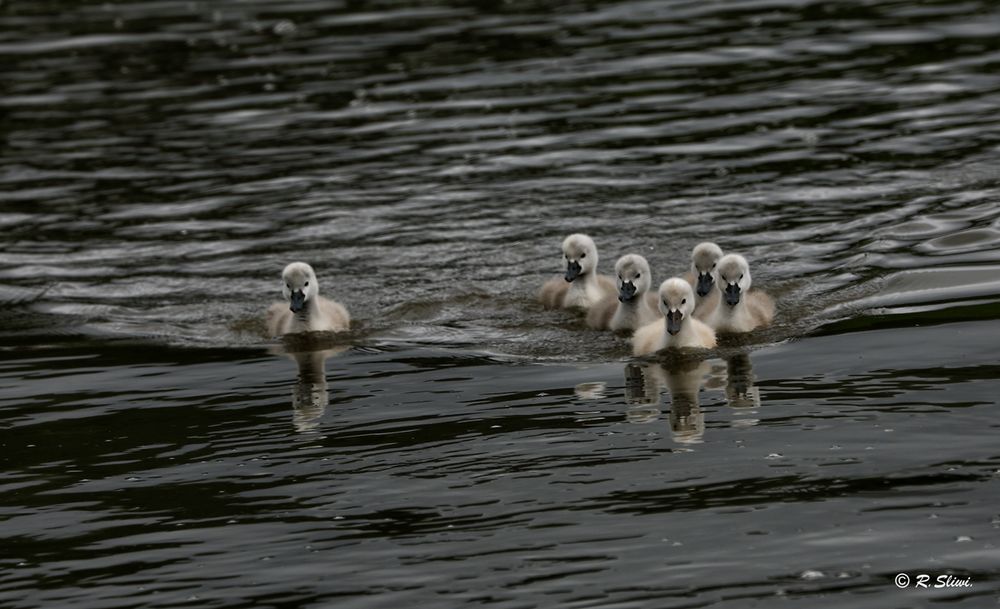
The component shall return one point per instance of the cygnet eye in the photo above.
(713, 265)
(288, 285)
(638, 275)
(583, 255)
(741, 277)
(307, 284)
(684, 300)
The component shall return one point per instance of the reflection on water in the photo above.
(642, 393)
(683, 383)
(590, 391)
(124, 488)
(740, 389)
(310, 396)
(683, 380)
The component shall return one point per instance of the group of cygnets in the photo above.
(685, 311)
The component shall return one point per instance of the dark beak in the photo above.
(705, 283)
(674, 321)
(733, 294)
(572, 270)
(297, 301)
(626, 292)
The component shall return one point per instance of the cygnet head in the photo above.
(676, 302)
(580, 253)
(704, 258)
(634, 277)
(299, 285)
(734, 278)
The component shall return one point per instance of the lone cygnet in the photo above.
(678, 328)
(581, 287)
(704, 258)
(306, 310)
(741, 309)
(635, 305)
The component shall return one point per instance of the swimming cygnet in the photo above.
(635, 305)
(678, 328)
(306, 310)
(581, 287)
(704, 258)
(741, 309)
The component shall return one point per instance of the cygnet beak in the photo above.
(732, 294)
(705, 283)
(297, 301)
(674, 321)
(573, 270)
(626, 292)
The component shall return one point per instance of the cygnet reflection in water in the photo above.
(684, 379)
(740, 389)
(309, 393)
(741, 393)
(734, 377)
(643, 395)
(590, 391)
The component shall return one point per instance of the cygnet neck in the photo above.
(306, 313)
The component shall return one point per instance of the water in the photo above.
(162, 161)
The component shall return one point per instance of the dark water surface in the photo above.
(160, 161)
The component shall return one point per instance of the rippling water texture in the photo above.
(160, 161)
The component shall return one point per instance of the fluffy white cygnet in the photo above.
(704, 258)
(581, 287)
(741, 309)
(635, 305)
(305, 310)
(677, 328)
